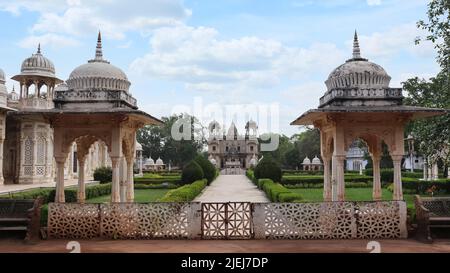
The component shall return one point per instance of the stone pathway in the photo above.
(232, 188)
(4, 189)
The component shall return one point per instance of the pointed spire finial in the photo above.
(39, 48)
(98, 51)
(356, 49)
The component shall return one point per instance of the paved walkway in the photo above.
(229, 246)
(4, 189)
(232, 188)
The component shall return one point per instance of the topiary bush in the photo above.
(186, 193)
(209, 171)
(103, 175)
(268, 168)
(191, 173)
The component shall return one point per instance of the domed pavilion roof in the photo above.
(98, 74)
(37, 65)
(316, 161)
(306, 161)
(358, 72)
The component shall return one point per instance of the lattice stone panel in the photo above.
(227, 220)
(333, 220)
(125, 221)
(304, 221)
(381, 220)
(73, 221)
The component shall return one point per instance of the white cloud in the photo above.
(114, 17)
(49, 39)
(393, 41)
(198, 58)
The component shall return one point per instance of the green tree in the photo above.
(284, 146)
(157, 141)
(438, 27)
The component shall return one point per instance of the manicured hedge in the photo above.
(48, 194)
(185, 193)
(277, 192)
(416, 186)
(318, 179)
(155, 186)
(167, 179)
(91, 192)
(209, 171)
(103, 175)
(301, 172)
(268, 168)
(191, 173)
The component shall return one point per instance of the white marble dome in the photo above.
(358, 73)
(38, 65)
(149, 161)
(2, 76)
(98, 74)
(213, 161)
(61, 87)
(159, 161)
(306, 161)
(138, 146)
(316, 161)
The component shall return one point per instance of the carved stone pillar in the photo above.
(81, 194)
(2, 180)
(398, 191)
(130, 180)
(425, 168)
(59, 197)
(334, 195)
(327, 187)
(377, 193)
(435, 171)
(339, 160)
(115, 192)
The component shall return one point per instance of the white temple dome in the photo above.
(316, 161)
(358, 73)
(253, 161)
(159, 161)
(306, 161)
(98, 74)
(149, 161)
(38, 65)
(2, 76)
(62, 87)
(213, 161)
(138, 146)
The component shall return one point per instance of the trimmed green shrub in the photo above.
(154, 186)
(386, 175)
(277, 192)
(191, 173)
(318, 179)
(166, 179)
(103, 175)
(290, 197)
(91, 191)
(268, 168)
(185, 193)
(209, 171)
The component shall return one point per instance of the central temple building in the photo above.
(232, 150)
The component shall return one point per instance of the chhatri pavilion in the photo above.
(359, 104)
(90, 120)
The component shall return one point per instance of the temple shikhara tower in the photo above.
(55, 130)
(359, 104)
(233, 150)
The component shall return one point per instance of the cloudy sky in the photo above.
(194, 55)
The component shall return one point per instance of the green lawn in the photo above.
(140, 196)
(351, 194)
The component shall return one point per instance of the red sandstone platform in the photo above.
(245, 246)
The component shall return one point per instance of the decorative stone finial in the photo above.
(98, 51)
(356, 49)
(39, 49)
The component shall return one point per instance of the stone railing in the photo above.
(327, 220)
(364, 94)
(35, 103)
(94, 96)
